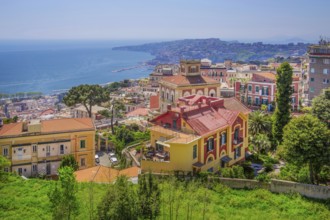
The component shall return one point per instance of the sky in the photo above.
(245, 20)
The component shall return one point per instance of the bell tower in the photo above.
(190, 67)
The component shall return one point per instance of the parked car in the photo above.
(97, 159)
(112, 155)
(113, 160)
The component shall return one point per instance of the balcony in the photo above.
(174, 136)
(238, 141)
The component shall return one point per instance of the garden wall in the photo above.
(277, 186)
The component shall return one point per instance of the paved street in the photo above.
(104, 158)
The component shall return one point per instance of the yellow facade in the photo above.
(180, 145)
(37, 153)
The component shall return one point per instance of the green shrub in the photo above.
(268, 167)
(233, 172)
(263, 177)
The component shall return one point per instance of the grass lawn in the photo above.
(27, 199)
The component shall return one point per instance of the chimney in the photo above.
(199, 104)
(169, 107)
(182, 109)
(25, 126)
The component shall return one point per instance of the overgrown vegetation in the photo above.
(27, 199)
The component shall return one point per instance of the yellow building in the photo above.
(202, 134)
(188, 82)
(37, 147)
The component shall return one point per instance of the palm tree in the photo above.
(260, 143)
(259, 122)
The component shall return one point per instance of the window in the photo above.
(48, 169)
(249, 100)
(236, 134)
(34, 148)
(257, 101)
(210, 144)
(20, 171)
(5, 151)
(325, 81)
(312, 79)
(312, 70)
(326, 61)
(82, 162)
(82, 143)
(6, 169)
(325, 71)
(293, 100)
(194, 151)
(250, 88)
(257, 89)
(311, 89)
(237, 152)
(61, 149)
(174, 124)
(34, 168)
(47, 151)
(265, 101)
(223, 138)
(313, 60)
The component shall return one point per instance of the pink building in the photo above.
(261, 89)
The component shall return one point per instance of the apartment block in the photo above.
(37, 147)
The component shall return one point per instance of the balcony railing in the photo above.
(174, 135)
(237, 141)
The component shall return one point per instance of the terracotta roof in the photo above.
(138, 112)
(154, 102)
(207, 119)
(102, 174)
(267, 75)
(11, 129)
(235, 105)
(47, 112)
(188, 80)
(51, 126)
(67, 124)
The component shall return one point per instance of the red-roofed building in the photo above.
(188, 82)
(261, 89)
(202, 133)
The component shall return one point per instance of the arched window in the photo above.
(210, 144)
(210, 160)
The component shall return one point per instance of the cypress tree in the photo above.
(282, 114)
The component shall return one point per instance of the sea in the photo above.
(57, 65)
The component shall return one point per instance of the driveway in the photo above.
(104, 158)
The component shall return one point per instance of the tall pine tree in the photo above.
(282, 114)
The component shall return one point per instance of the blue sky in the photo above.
(164, 19)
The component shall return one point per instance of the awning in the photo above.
(226, 159)
(198, 164)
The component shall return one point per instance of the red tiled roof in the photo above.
(138, 112)
(51, 126)
(154, 102)
(267, 75)
(47, 112)
(188, 80)
(235, 105)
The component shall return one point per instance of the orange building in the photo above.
(188, 82)
(37, 148)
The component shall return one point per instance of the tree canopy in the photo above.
(69, 161)
(306, 142)
(64, 203)
(321, 107)
(282, 114)
(87, 95)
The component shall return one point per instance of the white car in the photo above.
(113, 160)
(112, 155)
(97, 159)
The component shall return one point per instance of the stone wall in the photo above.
(277, 186)
(308, 190)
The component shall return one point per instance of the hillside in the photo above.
(216, 50)
(27, 199)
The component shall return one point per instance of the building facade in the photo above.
(202, 133)
(261, 89)
(37, 148)
(188, 82)
(318, 57)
